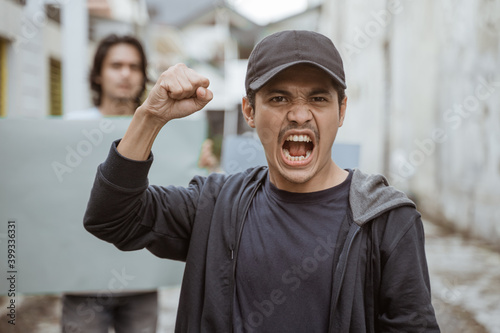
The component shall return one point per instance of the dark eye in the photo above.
(278, 99)
(319, 99)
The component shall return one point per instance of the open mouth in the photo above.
(297, 147)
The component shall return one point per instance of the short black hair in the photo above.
(100, 54)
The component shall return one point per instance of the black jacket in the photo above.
(380, 284)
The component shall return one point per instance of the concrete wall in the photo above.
(24, 26)
(33, 40)
(424, 101)
(467, 160)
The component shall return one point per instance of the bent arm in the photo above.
(125, 211)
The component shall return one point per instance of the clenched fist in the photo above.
(179, 92)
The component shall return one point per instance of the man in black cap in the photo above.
(298, 246)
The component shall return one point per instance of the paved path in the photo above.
(465, 279)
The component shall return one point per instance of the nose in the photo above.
(299, 113)
(125, 71)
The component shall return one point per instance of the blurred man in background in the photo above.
(118, 80)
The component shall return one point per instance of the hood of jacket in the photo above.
(371, 196)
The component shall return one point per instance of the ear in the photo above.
(248, 112)
(342, 111)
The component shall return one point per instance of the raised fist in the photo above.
(179, 92)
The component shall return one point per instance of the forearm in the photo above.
(123, 210)
(115, 198)
(140, 135)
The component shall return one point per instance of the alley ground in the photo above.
(465, 278)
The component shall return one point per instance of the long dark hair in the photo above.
(100, 54)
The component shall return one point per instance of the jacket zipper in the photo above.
(339, 278)
(234, 256)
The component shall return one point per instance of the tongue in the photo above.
(297, 148)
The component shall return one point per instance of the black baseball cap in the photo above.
(283, 49)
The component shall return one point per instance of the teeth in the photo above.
(295, 158)
(299, 138)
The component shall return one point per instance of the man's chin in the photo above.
(296, 176)
(124, 98)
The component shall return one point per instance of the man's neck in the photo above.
(117, 107)
(329, 176)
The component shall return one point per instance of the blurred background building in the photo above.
(423, 79)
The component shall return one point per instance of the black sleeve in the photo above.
(405, 294)
(125, 211)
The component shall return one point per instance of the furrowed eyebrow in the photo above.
(313, 92)
(277, 92)
(320, 91)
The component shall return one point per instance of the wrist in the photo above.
(150, 117)
(138, 140)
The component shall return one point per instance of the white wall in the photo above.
(33, 40)
(447, 102)
(468, 109)
(442, 111)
